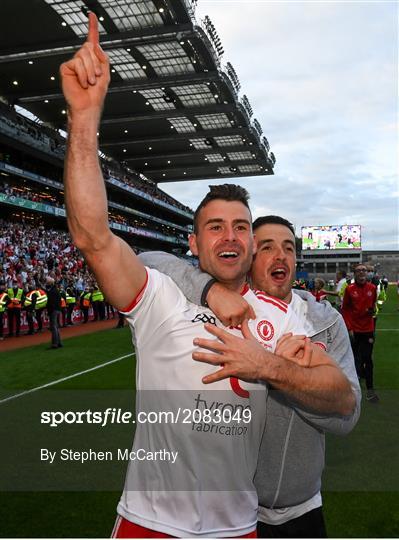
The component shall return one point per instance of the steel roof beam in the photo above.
(108, 41)
(139, 84)
(223, 132)
(206, 165)
(204, 175)
(212, 150)
(170, 113)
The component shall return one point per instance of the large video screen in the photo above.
(331, 237)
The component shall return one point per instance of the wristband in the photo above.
(205, 291)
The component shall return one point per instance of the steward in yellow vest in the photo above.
(85, 303)
(3, 306)
(97, 300)
(16, 299)
(71, 302)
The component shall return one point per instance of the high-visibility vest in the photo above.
(41, 299)
(381, 297)
(85, 299)
(28, 298)
(97, 296)
(70, 299)
(15, 299)
(63, 302)
(341, 292)
(3, 306)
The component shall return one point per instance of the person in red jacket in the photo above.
(358, 308)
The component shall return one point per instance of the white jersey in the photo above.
(202, 483)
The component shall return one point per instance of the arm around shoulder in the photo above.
(190, 280)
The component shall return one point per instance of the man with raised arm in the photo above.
(191, 476)
(291, 458)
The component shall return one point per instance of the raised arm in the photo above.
(85, 80)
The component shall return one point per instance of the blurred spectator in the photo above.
(341, 284)
(85, 303)
(319, 292)
(54, 311)
(3, 306)
(358, 309)
(384, 282)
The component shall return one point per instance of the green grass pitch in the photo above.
(361, 479)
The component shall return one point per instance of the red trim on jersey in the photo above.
(282, 302)
(127, 529)
(320, 344)
(138, 297)
(277, 300)
(245, 289)
(271, 300)
(235, 386)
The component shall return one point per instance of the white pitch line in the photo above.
(387, 330)
(31, 390)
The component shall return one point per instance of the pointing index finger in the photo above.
(93, 35)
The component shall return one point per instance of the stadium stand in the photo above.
(178, 118)
(29, 252)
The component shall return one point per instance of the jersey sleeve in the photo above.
(193, 283)
(154, 305)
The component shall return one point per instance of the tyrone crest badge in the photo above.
(265, 330)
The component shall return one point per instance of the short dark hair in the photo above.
(273, 220)
(225, 192)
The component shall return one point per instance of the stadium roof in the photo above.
(172, 112)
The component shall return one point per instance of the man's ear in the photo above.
(255, 245)
(192, 242)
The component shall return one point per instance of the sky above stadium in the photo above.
(322, 80)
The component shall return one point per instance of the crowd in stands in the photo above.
(38, 135)
(140, 182)
(49, 140)
(41, 195)
(29, 255)
(26, 192)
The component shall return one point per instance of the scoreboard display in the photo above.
(331, 237)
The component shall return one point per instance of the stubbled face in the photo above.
(360, 275)
(224, 242)
(273, 269)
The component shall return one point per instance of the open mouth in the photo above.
(279, 274)
(228, 254)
